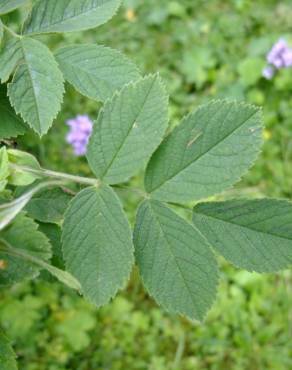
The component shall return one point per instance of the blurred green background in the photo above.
(203, 50)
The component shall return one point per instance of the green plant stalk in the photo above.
(64, 276)
(41, 172)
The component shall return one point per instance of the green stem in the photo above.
(57, 175)
(9, 30)
(61, 275)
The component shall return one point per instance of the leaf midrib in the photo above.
(174, 258)
(129, 130)
(64, 20)
(202, 154)
(244, 227)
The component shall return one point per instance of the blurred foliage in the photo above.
(203, 50)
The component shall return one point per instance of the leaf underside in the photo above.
(69, 15)
(176, 264)
(255, 235)
(99, 252)
(128, 129)
(94, 70)
(207, 153)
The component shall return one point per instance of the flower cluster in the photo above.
(280, 56)
(78, 136)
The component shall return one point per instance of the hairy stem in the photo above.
(61, 275)
(57, 175)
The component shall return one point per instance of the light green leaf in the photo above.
(11, 124)
(207, 153)
(97, 243)
(21, 236)
(69, 15)
(94, 70)
(7, 6)
(48, 205)
(7, 355)
(10, 56)
(252, 234)
(19, 161)
(4, 164)
(36, 90)
(128, 129)
(176, 263)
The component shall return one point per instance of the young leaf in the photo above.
(128, 129)
(7, 355)
(11, 124)
(207, 153)
(23, 238)
(94, 70)
(36, 90)
(252, 234)
(176, 263)
(7, 6)
(48, 205)
(18, 161)
(10, 56)
(97, 243)
(69, 15)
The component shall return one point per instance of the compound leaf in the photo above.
(69, 15)
(255, 235)
(176, 263)
(11, 124)
(7, 6)
(36, 90)
(97, 243)
(207, 153)
(24, 237)
(128, 129)
(94, 70)
(7, 355)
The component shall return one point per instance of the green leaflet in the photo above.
(176, 263)
(7, 6)
(11, 124)
(7, 355)
(10, 56)
(255, 235)
(97, 243)
(128, 129)
(22, 235)
(48, 205)
(207, 153)
(94, 70)
(54, 233)
(36, 91)
(18, 161)
(69, 15)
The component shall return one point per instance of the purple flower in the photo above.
(78, 136)
(275, 56)
(268, 72)
(280, 56)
